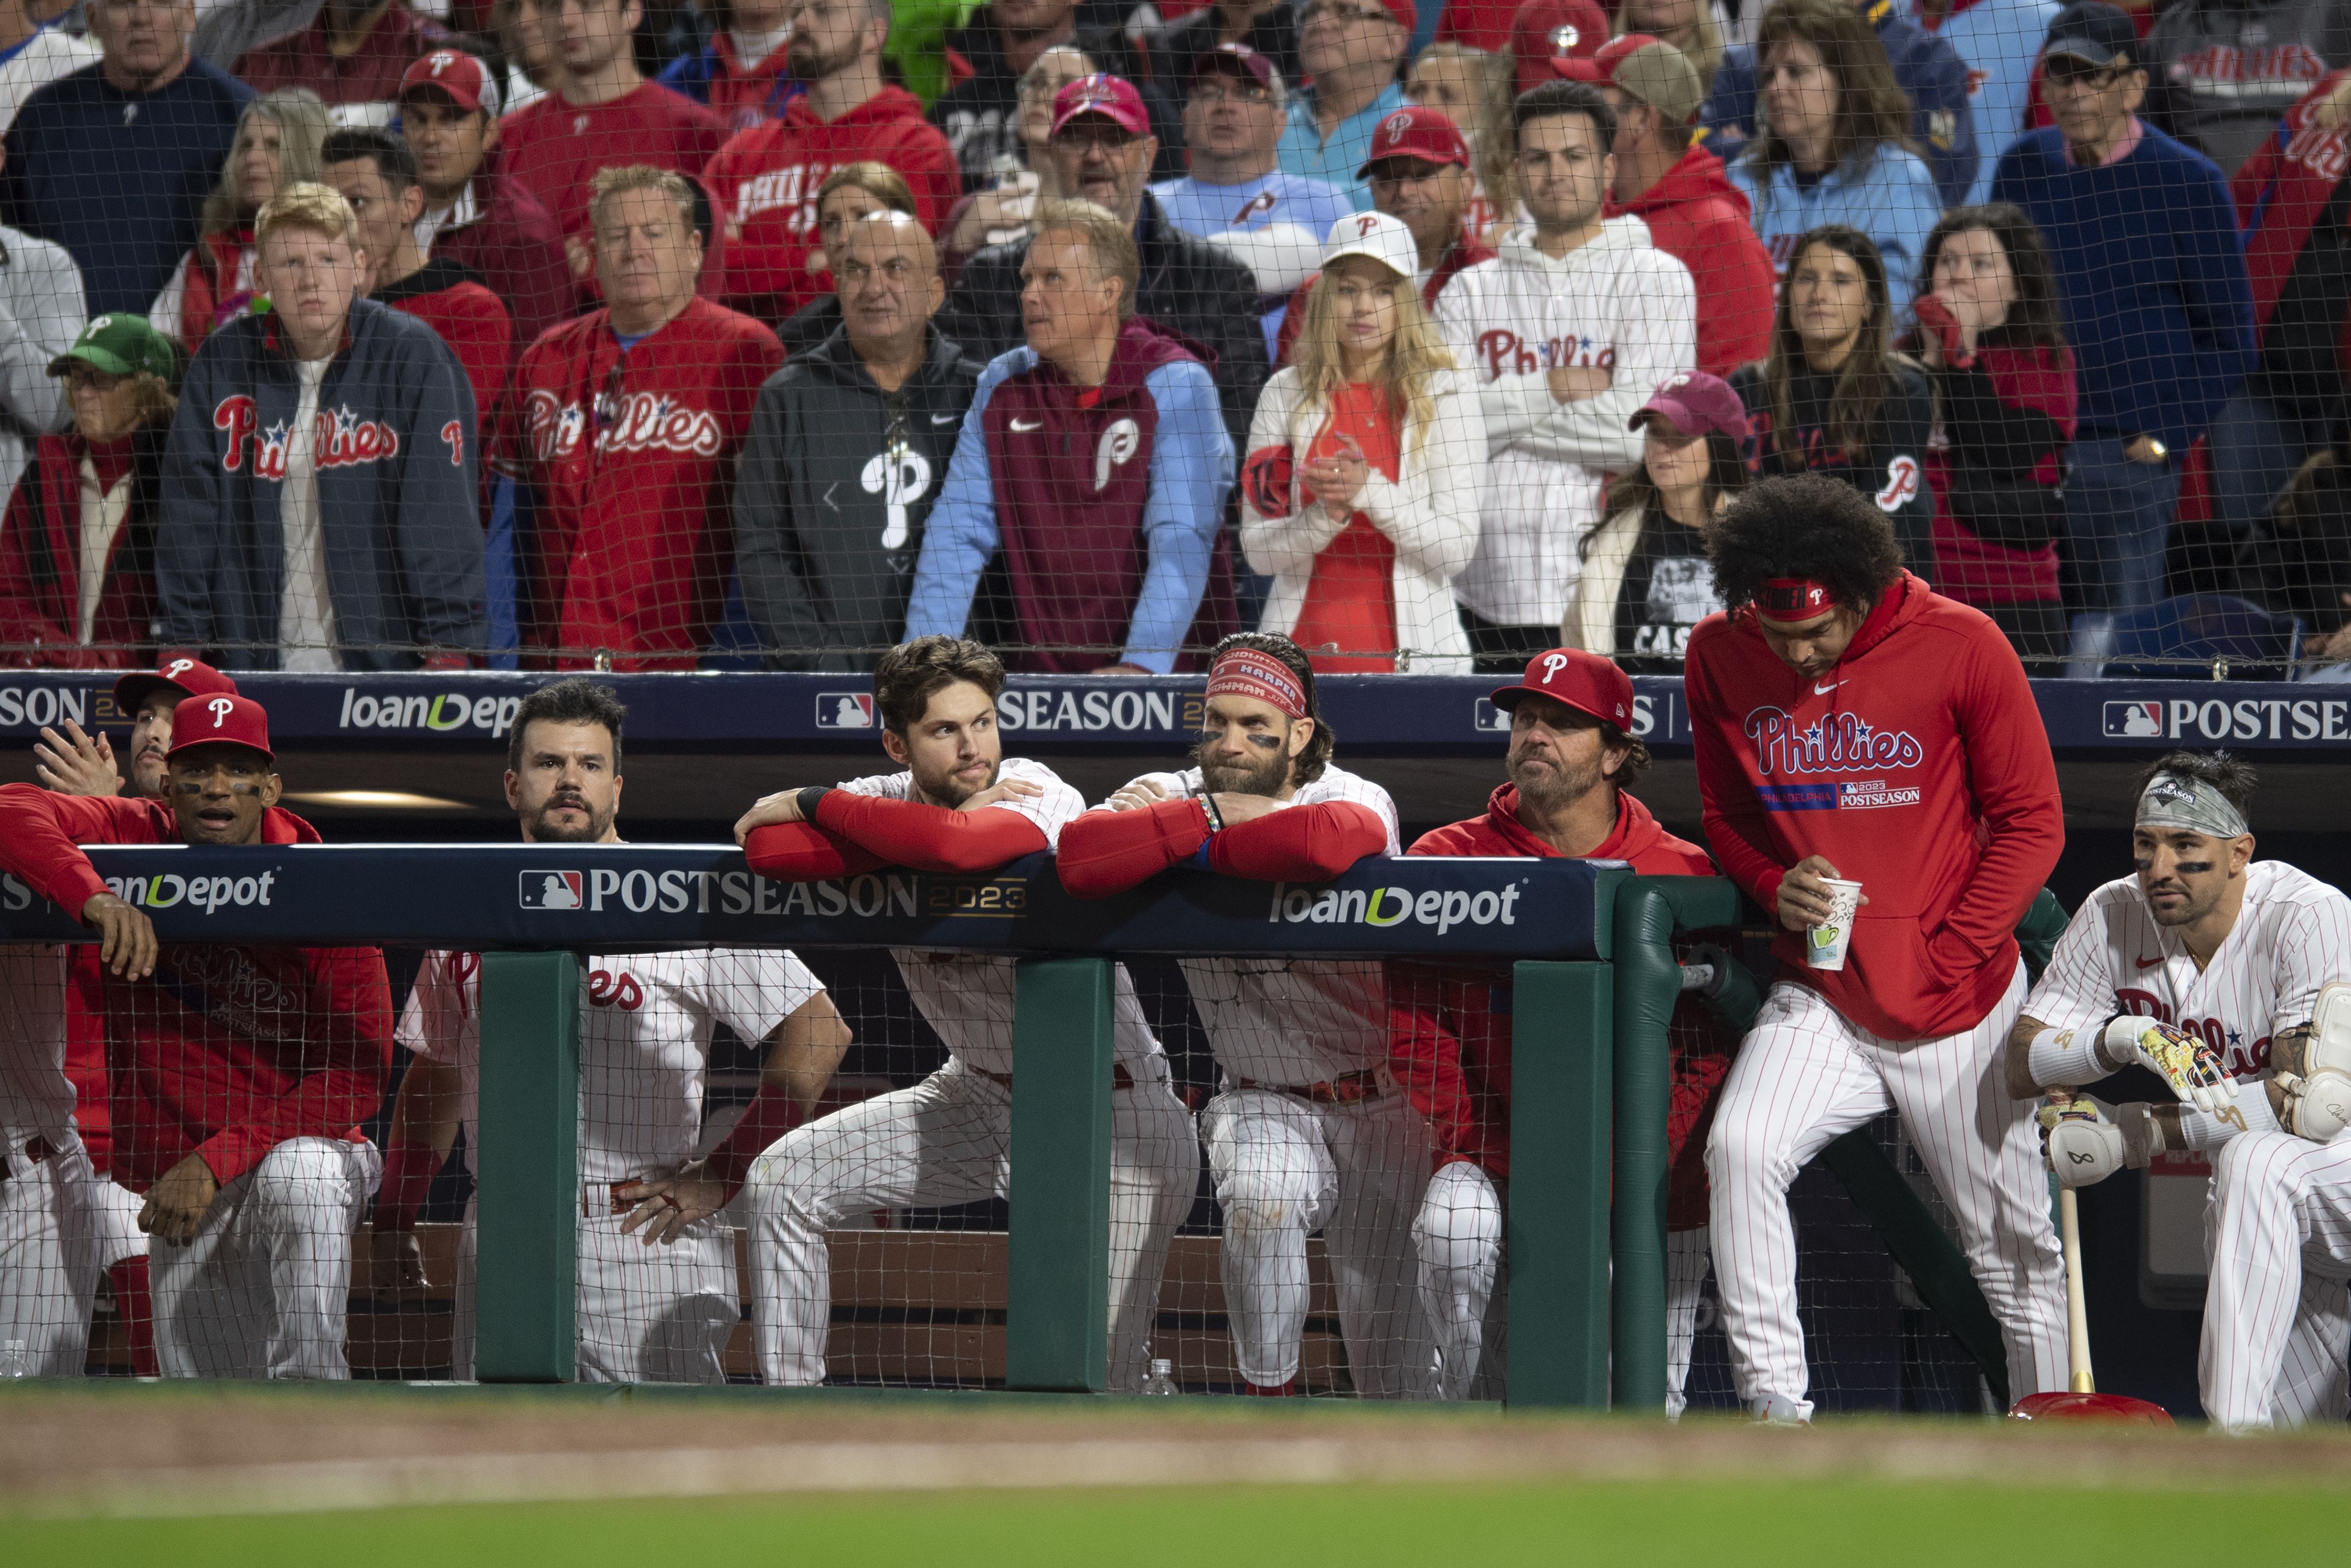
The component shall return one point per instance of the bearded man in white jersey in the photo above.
(957, 804)
(658, 1292)
(2224, 975)
(1310, 1131)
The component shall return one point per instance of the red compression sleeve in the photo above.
(771, 1113)
(929, 838)
(802, 852)
(1305, 843)
(40, 829)
(408, 1172)
(1103, 853)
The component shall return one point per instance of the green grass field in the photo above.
(1752, 1524)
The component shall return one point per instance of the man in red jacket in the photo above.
(764, 181)
(1571, 760)
(237, 1074)
(1851, 722)
(1680, 189)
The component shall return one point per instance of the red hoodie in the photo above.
(2280, 192)
(1449, 1035)
(764, 182)
(225, 1051)
(1701, 219)
(1918, 767)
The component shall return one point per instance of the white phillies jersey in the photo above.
(37, 1098)
(2291, 936)
(646, 1023)
(966, 998)
(1292, 1023)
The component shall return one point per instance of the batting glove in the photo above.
(2079, 1144)
(2316, 1107)
(2188, 1066)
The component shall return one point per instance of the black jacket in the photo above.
(979, 113)
(1178, 45)
(825, 532)
(1891, 471)
(1187, 285)
(2297, 558)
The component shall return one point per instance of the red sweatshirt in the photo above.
(1449, 1042)
(1701, 219)
(225, 1051)
(2282, 191)
(1919, 766)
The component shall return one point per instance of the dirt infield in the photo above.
(164, 1451)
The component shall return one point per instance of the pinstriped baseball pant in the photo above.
(2277, 1314)
(1807, 1075)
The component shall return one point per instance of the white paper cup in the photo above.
(1826, 943)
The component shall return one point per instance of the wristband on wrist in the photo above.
(2251, 1102)
(809, 798)
(1208, 808)
(2065, 1056)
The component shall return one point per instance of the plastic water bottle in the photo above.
(15, 1363)
(1160, 1384)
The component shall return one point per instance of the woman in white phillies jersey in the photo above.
(957, 804)
(2208, 966)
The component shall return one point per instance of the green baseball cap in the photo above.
(120, 345)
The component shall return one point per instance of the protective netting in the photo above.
(604, 362)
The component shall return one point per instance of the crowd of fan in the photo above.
(770, 333)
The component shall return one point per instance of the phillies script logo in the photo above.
(1502, 350)
(1118, 443)
(1901, 484)
(2315, 147)
(338, 439)
(1834, 743)
(640, 421)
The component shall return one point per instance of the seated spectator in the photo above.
(742, 75)
(1005, 209)
(619, 439)
(34, 52)
(1268, 26)
(1688, 25)
(1353, 51)
(764, 182)
(2234, 70)
(1990, 334)
(1365, 468)
(113, 162)
(2000, 42)
(1834, 151)
(1927, 96)
(2158, 307)
(2297, 557)
(473, 214)
(1680, 189)
(277, 139)
(40, 301)
(1108, 550)
(376, 174)
(1473, 90)
(352, 54)
(1236, 198)
(320, 493)
(1545, 32)
(523, 31)
(1101, 152)
(1420, 175)
(848, 193)
(981, 113)
(1645, 580)
(78, 544)
(1832, 397)
(849, 445)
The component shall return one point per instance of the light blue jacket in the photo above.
(2000, 39)
(1889, 196)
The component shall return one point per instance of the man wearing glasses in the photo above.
(1354, 50)
(2158, 310)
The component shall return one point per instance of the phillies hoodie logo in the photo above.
(338, 439)
(640, 422)
(1834, 743)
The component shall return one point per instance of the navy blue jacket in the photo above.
(399, 497)
(1925, 66)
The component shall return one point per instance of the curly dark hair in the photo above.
(575, 699)
(1803, 524)
(2229, 774)
(1317, 755)
(909, 673)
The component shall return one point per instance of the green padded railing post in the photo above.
(1057, 1317)
(1647, 984)
(1557, 1227)
(526, 1203)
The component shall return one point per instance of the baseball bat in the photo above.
(2077, 1306)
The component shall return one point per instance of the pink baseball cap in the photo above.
(463, 77)
(1415, 130)
(1585, 682)
(1698, 404)
(1112, 98)
(1544, 31)
(222, 718)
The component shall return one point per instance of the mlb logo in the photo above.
(550, 890)
(844, 710)
(2133, 721)
(1492, 719)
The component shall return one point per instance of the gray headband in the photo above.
(2176, 801)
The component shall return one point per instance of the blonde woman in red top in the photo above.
(1365, 469)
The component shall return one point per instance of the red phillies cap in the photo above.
(1542, 31)
(1698, 404)
(1584, 681)
(463, 77)
(1112, 98)
(189, 677)
(1415, 130)
(1601, 64)
(223, 719)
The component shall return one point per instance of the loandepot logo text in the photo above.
(1384, 906)
(209, 894)
(445, 713)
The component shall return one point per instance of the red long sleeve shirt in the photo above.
(225, 1051)
(855, 833)
(1105, 852)
(1919, 766)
